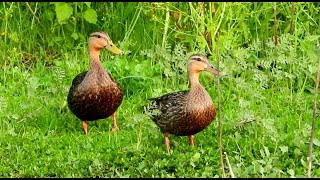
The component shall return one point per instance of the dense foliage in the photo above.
(266, 102)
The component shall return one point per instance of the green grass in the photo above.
(40, 137)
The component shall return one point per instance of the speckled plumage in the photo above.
(186, 113)
(183, 113)
(93, 101)
(94, 94)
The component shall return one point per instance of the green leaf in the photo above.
(48, 15)
(138, 68)
(192, 164)
(96, 162)
(297, 152)
(259, 168)
(312, 69)
(75, 36)
(304, 164)
(196, 157)
(313, 37)
(91, 16)
(291, 172)
(14, 37)
(88, 4)
(284, 149)
(63, 11)
(316, 142)
(90, 169)
(266, 151)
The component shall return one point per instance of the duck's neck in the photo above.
(198, 96)
(193, 79)
(95, 63)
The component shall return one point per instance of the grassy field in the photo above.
(271, 87)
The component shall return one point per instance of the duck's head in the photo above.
(198, 63)
(101, 40)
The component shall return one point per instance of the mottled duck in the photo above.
(94, 94)
(185, 113)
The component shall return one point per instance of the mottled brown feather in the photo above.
(186, 113)
(183, 113)
(94, 94)
(94, 101)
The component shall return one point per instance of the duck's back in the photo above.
(92, 101)
(168, 110)
(182, 113)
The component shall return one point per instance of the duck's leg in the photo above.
(85, 126)
(191, 140)
(167, 141)
(115, 127)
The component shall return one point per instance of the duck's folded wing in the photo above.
(168, 102)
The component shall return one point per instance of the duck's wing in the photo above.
(75, 83)
(170, 97)
(168, 104)
(79, 78)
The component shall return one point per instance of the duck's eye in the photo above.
(99, 36)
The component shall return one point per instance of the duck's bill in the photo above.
(213, 70)
(111, 47)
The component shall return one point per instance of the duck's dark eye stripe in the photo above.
(196, 59)
(95, 35)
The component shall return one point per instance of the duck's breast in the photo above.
(94, 98)
(200, 112)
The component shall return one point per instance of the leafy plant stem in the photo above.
(166, 26)
(275, 24)
(219, 112)
(313, 121)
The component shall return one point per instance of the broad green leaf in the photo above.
(291, 172)
(48, 14)
(250, 169)
(297, 152)
(91, 16)
(196, 157)
(284, 149)
(304, 164)
(63, 11)
(138, 68)
(316, 142)
(75, 36)
(88, 4)
(96, 162)
(259, 168)
(34, 82)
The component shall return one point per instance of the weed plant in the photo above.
(270, 88)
